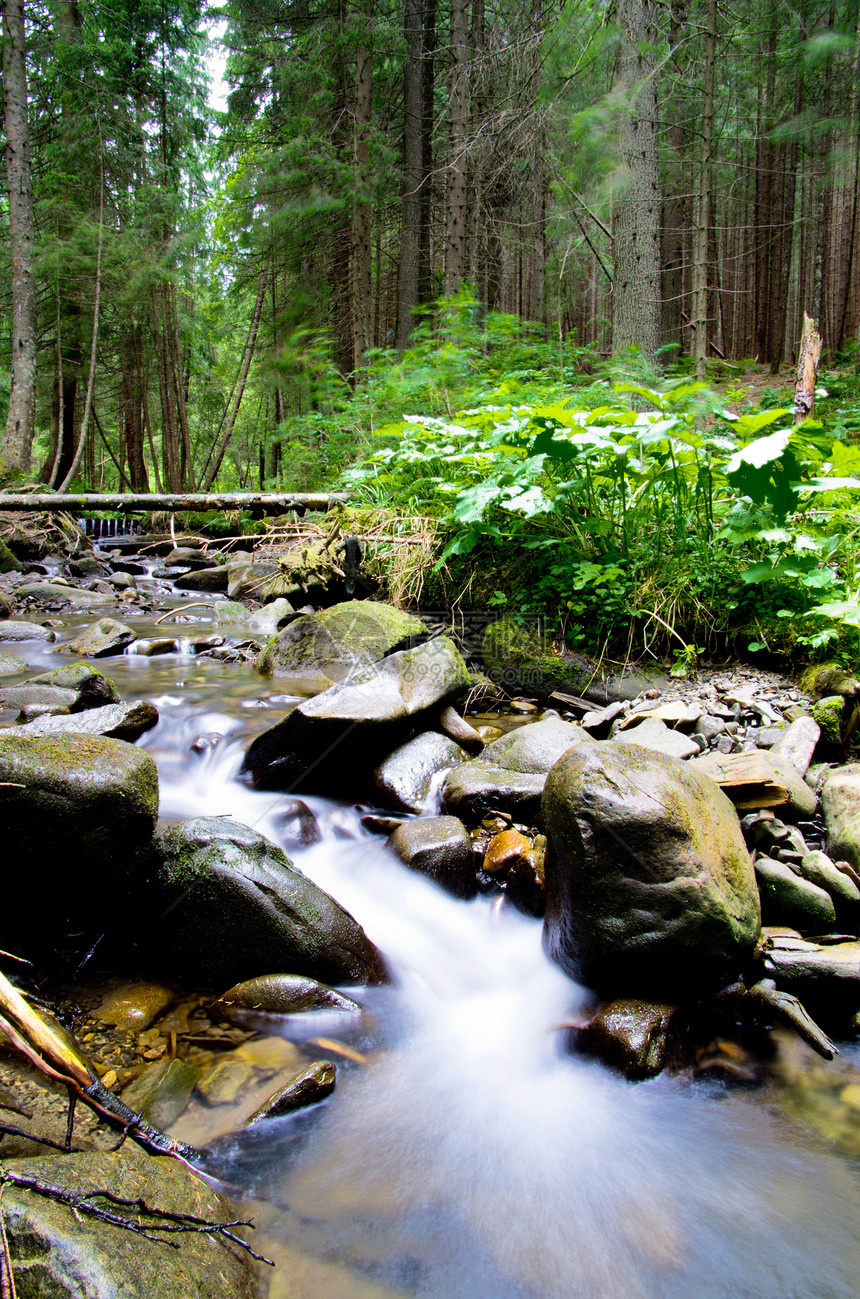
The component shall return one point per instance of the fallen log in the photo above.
(134, 502)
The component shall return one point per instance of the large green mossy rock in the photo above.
(76, 814)
(520, 659)
(650, 889)
(60, 1254)
(93, 688)
(221, 904)
(330, 743)
(328, 645)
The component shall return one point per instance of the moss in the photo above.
(829, 713)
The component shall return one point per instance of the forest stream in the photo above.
(465, 1154)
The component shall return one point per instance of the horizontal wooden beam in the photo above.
(131, 502)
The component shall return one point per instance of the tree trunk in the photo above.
(703, 200)
(409, 269)
(362, 217)
(17, 441)
(458, 106)
(636, 226)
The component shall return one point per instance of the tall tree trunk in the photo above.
(17, 441)
(675, 217)
(428, 58)
(409, 268)
(636, 226)
(703, 200)
(456, 200)
(362, 216)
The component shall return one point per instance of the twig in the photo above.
(196, 604)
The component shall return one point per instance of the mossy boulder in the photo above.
(330, 743)
(77, 813)
(92, 688)
(328, 645)
(829, 713)
(107, 636)
(9, 563)
(221, 904)
(521, 659)
(650, 890)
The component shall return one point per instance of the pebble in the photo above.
(134, 1005)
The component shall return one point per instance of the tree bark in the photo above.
(456, 202)
(409, 269)
(17, 442)
(636, 226)
(703, 203)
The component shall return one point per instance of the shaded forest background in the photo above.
(213, 290)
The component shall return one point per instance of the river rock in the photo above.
(107, 636)
(80, 811)
(134, 1005)
(257, 579)
(788, 899)
(54, 593)
(634, 1037)
(10, 664)
(404, 780)
(326, 741)
(93, 688)
(308, 1087)
(520, 659)
(797, 744)
(328, 645)
(28, 696)
(18, 631)
(457, 728)
(225, 1081)
(649, 885)
(162, 1092)
(655, 735)
(840, 805)
(280, 994)
(222, 903)
(215, 578)
(506, 850)
(534, 747)
(759, 779)
(819, 869)
(440, 847)
(476, 788)
(58, 1253)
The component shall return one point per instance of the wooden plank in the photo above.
(134, 502)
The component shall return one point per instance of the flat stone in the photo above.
(134, 1005)
(162, 1092)
(439, 847)
(118, 721)
(534, 748)
(225, 1082)
(654, 734)
(55, 593)
(755, 780)
(797, 743)
(18, 631)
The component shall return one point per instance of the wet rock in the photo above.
(107, 636)
(840, 805)
(225, 1081)
(55, 593)
(215, 578)
(257, 579)
(123, 581)
(634, 1037)
(405, 778)
(439, 847)
(655, 735)
(20, 631)
(296, 824)
(327, 740)
(754, 780)
(118, 721)
(281, 994)
(229, 613)
(228, 902)
(152, 647)
(506, 850)
(788, 899)
(649, 885)
(597, 722)
(458, 729)
(328, 645)
(93, 688)
(80, 811)
(472, 790)
(535, 747)
(134, 1005)
(30, 696)
(61, 1255)
(162, 1092)
(10, 664)
(187, 556)
(308, 1087)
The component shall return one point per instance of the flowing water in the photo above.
(471, 1157)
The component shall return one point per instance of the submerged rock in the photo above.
(649, 885)
(328, 645)
(440, 847)
(19, 631)
(308, 1087)
(222, 903)
(326, 741)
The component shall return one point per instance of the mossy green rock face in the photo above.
(519, 659)
(75, 813)
(330, 743)
(222, 904)
(60, 1255)
(93, 688)
(840, 805)
(9, 563)
(326, 646)
(649, 886)
(829, 713)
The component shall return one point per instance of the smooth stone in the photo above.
(107, 636)
(220, 902)
(788, 899)
(458, 729)
(797, 744)
(710, 727)
(118, 721)
(123, 581)
(156, 645)
(296, 825)
(475, 788)
(214, 579)
(633, 1036)
(281, 994)
(136, 1005)
(230, 613)
(535, 747)
(440, 848)
(32, 712)
(840, 805)
(405, 779)
(257, 579)
(11, 663)
(28, 696)
(649, 885)
(269, 620)
(324, 742)
(328, 645)
(655, 735)
(308, 1087)
(507, 850)
(57, 593)
(18, 631)
(93, 688)
(58, 1254)
(162, 1092)
(678, 712)
(597, 722)
(819, 869)
(225, 1081)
